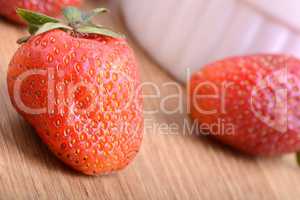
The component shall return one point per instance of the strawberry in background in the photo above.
(49, 7)
(250, 103)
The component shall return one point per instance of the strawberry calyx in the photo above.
(76, 21)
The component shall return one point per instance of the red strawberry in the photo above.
(78, 87)
(250, 103)
(52, 8)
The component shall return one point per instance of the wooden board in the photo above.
(170, 165)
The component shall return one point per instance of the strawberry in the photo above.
(77, 84)
(250, 103)
(51, 8)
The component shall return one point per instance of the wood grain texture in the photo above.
(170, 165)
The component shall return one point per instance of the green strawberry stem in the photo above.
(75, 21)
(298, 158)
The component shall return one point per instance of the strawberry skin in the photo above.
(93, 141)
(52, 8)
(256, 98)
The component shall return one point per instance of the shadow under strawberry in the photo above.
(25, 142)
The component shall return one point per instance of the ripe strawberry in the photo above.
(77, 85)
(52, 8)
(250, 103)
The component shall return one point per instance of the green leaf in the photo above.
(100, 31)
(88, 16)
(34, 17)
(77, 21)
(23, 39)
(32, 29)
(72, 15)
(50, 26)
(298, 158)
